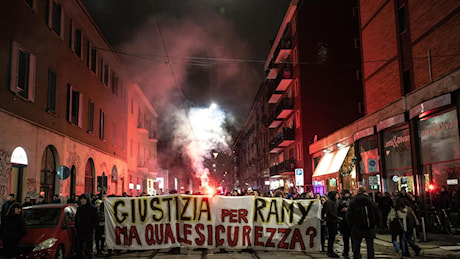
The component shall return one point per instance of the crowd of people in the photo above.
(355, 217)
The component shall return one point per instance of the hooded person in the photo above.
(13, 229)
(86, 220)
(332, 217)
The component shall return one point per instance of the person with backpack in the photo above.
(396, 221)
(362, 216)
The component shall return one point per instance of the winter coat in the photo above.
(13, 228)
(330, 208)
(86, 218)
(399, 214)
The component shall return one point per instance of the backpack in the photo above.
(365, 217)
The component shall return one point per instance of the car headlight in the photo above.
(45, 244)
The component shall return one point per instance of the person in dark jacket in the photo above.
(332, 217)
(6, 206)
(27, 202)
(345, 230)
(13, 229)
(86, 221)
(362, 202)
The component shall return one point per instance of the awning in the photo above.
(331, 162)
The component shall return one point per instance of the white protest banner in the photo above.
(198, 221)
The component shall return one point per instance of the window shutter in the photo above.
(72, 36)
(80, 105)
(69, 103)
(50, 13)
(32, 63)
(14, 66)
(62, 23)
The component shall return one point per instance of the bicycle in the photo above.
(441, 222)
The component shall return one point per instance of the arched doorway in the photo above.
(19, 162)
(73, 180)
(89, 176)
(48, 174)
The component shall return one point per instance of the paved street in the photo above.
(437, 246)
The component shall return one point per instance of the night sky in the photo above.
(217, 49)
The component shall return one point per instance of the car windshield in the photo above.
(42, 216)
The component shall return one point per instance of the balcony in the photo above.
(283, 50)
(272, 70)
(284, 109)
(282, 140)
(274, 95)
(283, 168)
(153, 137)
(284, 79)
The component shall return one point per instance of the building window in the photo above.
(114, 134)
(74, 106)
(297, 118)
(294, 56)
(22, 72)
(106, 74)
(101, 124)
(402, 15)
(101, 70)
(132, 106)
(90, 117)
(55, 17)
(75, 40)
(299, 153)
(123, 139)
(92, 58)
(114, 84)
(52, 86)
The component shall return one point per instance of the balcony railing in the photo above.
(282, 139)
(284, 167)
(283, 110)
(283, 50)
(284, 78)
(274, 95)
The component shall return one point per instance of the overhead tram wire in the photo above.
(211, 61)
(168, 62)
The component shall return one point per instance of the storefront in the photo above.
(439, 145)
(335, 171)
(397, 159)
(368, 159)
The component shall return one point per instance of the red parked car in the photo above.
(50, 231)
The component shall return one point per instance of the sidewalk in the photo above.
(431, 239)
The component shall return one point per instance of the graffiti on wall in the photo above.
(73, 159)
(5, 169)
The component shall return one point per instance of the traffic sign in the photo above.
(299, 177)
(373, 180)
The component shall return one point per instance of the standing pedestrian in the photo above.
(344, 227)
(27, 202)
(6, 206)
(396, 221)
(13, 229)
(324, 234)
(362, 216)
(332, 218)
(40, 200)
(86, 220)
(100, 236)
